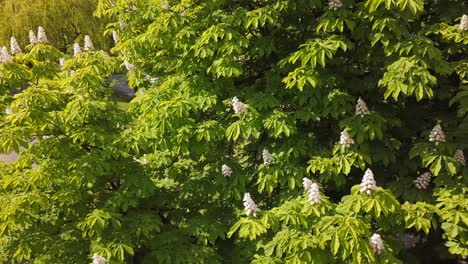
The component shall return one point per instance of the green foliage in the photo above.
(146, 184)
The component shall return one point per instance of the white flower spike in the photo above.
(88, 44)
(368, 183)
(267, 157)
(129, 66)
(238, 106)
(346, 140)
(97, 259)
(41, 35)
(335, 4)
(5, 56)
(460, 157)
(115, 36)
(32, 37)
(423, 181)
(464, 23)
(376, 244)
(249, 205)
(361, 108)
(14, 46)
(76, 49)
(226, 170)
(437, 135)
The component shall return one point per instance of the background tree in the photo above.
(269, 131)
(66, 21)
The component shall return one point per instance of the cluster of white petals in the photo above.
(150, 79)
(122, 24)
(437, 135)
(267, 157)
(5, 56)
(376, 244)
(143, 160)
(361, 108)
(62, 63)
(129, 66)
(8, 110)
(464, 23)
(14, 46)
(410, 240)
(41, 35)
(226, 170)
(88, 44)
(238, 106)
(32, 37)
(312, 191)
(460, 157)
(346, 140)
(368, 183)
(249, 205)
(97, 259)
(334, 4)
(115, 36)
(423, 181)
(76, 49)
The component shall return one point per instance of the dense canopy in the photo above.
(269, 131)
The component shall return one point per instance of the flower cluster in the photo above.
(41, 35)
(312, 191)
(267, 157)
(464, 23)
(238, 106)
(361, 108)
(368, 183)
(143, 160)
(346, 140)
(8, 110)
(409, 240)
(226, 170)
(460, 157)
(423, 181)
(115, 36)
(32, 37)
(376, 244)
(14, 46)
(88, 44)
(129, 66)
(5, 56)
(437, 135)
(98, 259)
(249, 205)
(62, 63)
(76, 49)
(334, 4)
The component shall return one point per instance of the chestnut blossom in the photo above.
(464, 23)
(98, 259)
(41, 35)
(312, 191)
(423, 181)
(32, 37)
(368, 183)
(226, 170)
(361, 108)
(346, 140)
(14, 46)
(5, 56)
(249, 205)
(334, 4)
(238, 106)
(267, 157)
(460, 157)
(115, 36)
(88, 44)
(437, 135)
(76, 49)
(129, 66)
(376, 244)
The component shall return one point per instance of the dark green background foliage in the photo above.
(300, 67)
